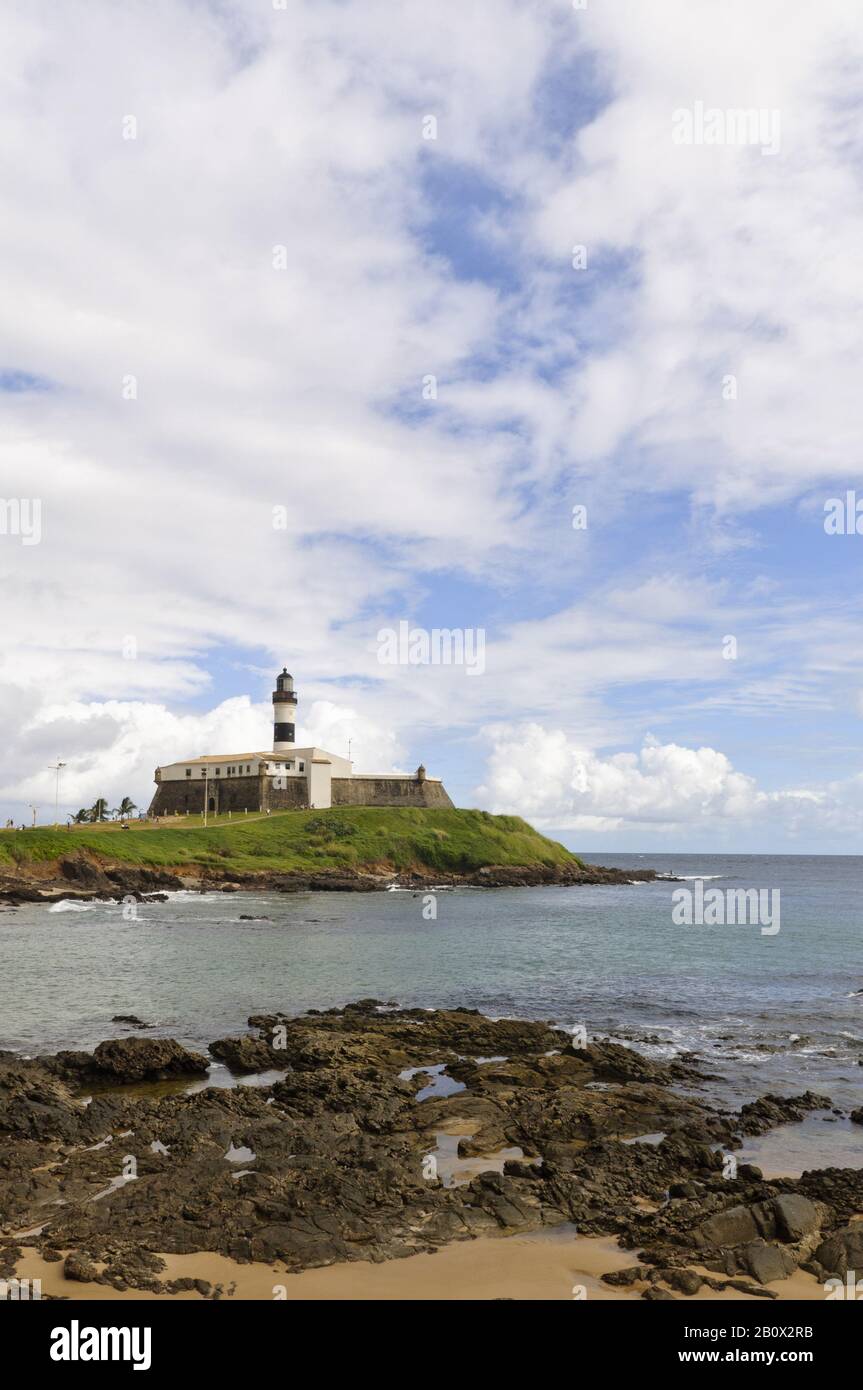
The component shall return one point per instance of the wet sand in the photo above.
(547, 1266)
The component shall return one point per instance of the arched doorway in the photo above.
(211, 804)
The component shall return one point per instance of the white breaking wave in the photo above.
(68, 905)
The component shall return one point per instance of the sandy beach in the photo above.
(546, 1266)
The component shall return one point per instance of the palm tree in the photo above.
(99, 809)
(81, 817)
(125, 809)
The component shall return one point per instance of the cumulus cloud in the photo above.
(553, 781)
(664, 788)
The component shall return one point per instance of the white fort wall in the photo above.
(307, 777)
(293, 763)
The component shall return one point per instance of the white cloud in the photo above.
(301, 387)
(663, 789)
(547, 778)
(743, 263)
(255, 387)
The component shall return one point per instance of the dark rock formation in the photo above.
(842, 1251)
(130, 1059)
(83, 877)
(346, 1164)
(770, 1111)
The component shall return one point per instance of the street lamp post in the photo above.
(58, 768)
(206, 780)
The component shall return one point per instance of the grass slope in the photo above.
(344, 837)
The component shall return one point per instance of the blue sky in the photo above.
(237, 308)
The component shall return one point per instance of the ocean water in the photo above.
(768, 1012)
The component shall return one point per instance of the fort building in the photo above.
(287, 778)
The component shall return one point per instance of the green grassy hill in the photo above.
(345, 837)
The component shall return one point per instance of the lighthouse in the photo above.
(284, 705)
(290, 778)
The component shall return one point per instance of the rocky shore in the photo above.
(83, 878)
(374, 1133)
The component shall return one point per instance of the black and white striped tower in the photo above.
(284, 705)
